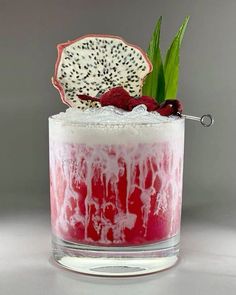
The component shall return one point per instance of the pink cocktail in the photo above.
(116, 184)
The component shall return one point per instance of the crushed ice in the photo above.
(111, 114)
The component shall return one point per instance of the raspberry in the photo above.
(87, 97)
(170, 107)
(117, 97)
(148, 101)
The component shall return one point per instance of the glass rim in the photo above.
(110, 123)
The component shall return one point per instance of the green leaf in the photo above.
(155, 82)
(171, 66)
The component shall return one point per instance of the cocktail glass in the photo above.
(116, 195)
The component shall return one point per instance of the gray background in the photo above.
(29, 32)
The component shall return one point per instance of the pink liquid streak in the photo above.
(116, 195)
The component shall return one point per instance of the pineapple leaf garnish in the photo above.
(171, 66)
(155, 82)
(162, 82)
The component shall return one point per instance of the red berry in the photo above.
(170, 107)
(87, 97)
(117, 97)
(148, 101)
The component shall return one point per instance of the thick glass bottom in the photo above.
(116, 261)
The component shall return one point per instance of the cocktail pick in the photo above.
(206, 120)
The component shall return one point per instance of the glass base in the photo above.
(116, 261)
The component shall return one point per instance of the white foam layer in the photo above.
(112, 125)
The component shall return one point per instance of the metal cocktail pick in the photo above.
(206, 120)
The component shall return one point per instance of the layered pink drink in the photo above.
(115, 176)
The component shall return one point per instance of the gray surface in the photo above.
(29, 33)
(207, 265)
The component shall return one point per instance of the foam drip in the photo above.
(87, 165)
(112, 182)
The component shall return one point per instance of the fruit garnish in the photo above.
(154, 84)
(149, 102)
(117, 97)
(120, 98)
(93, 64)
(86, 102)
(170, 107)
(87, 97)
(162, 82)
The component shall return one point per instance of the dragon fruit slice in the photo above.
(93, 64)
